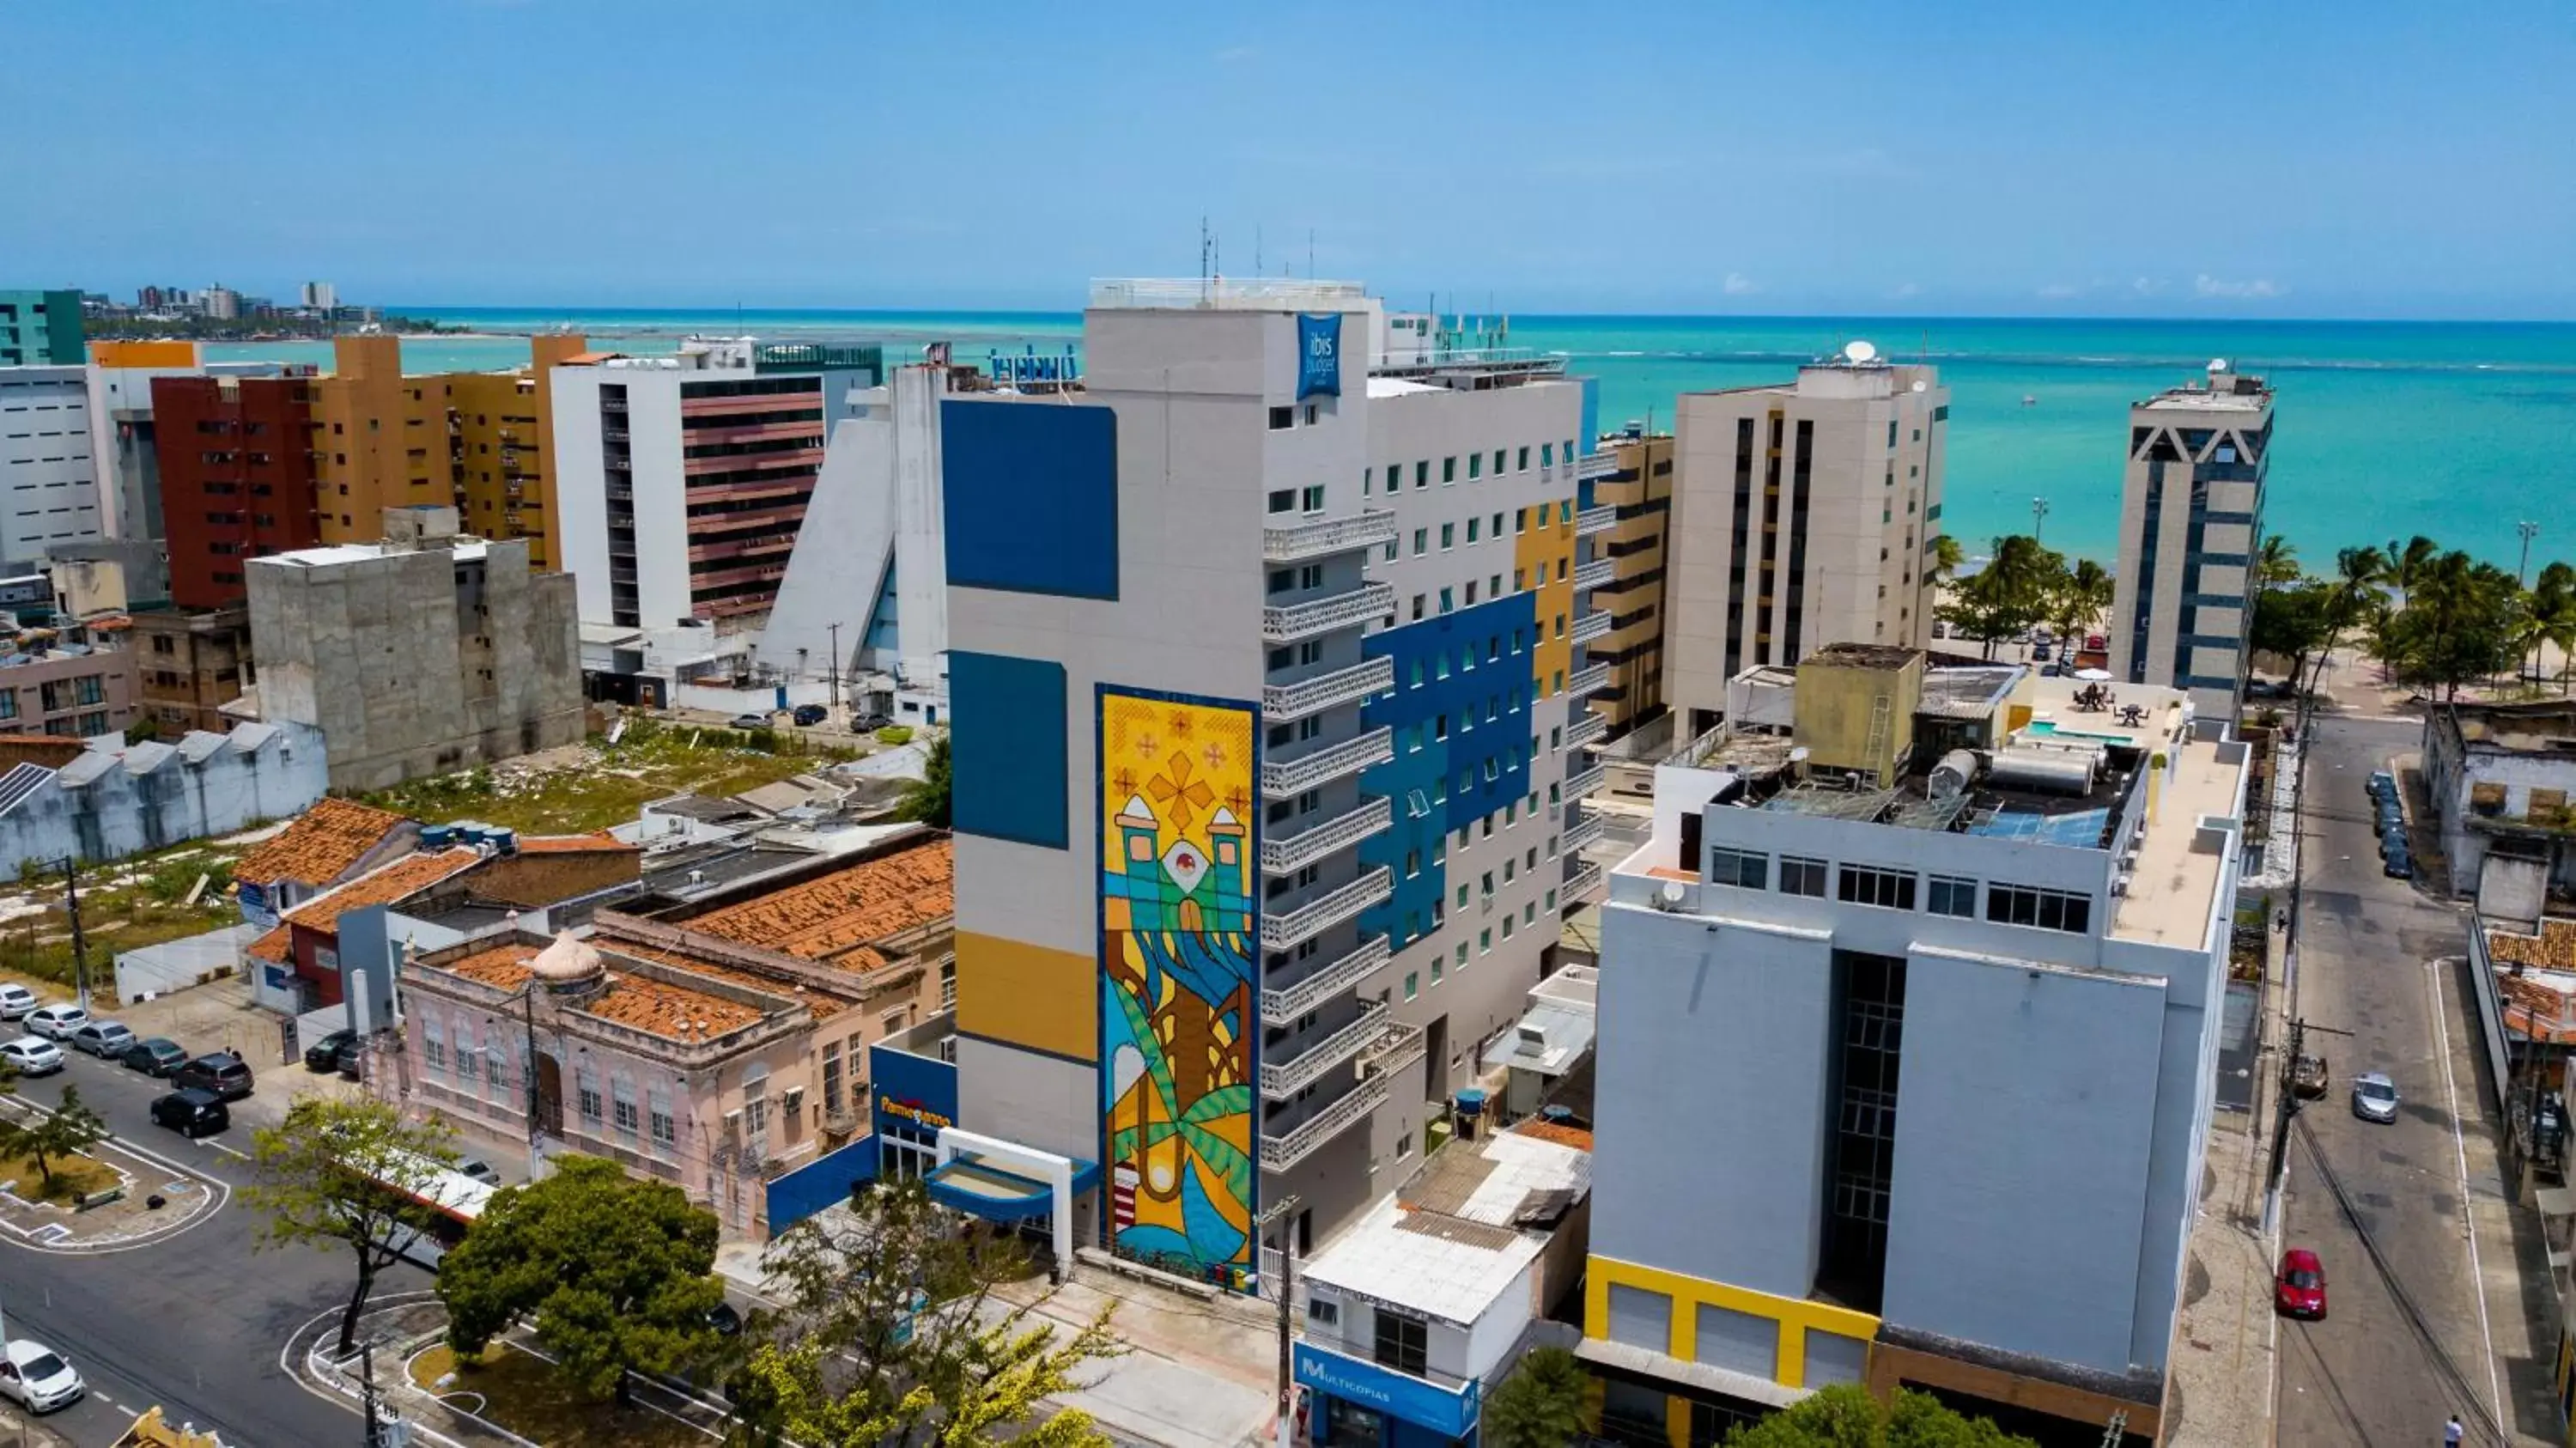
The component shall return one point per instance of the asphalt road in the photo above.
(2373, 1371)
(192, 1322)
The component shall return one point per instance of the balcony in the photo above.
(1588, 679)
(1596, 465)
(1279, 1007)
(1281, 778)
(1342, 686)
(1579, 884)
(1584, 728)
(614, 434)
(1397, 1046)
(612, 404)
(1297, 542)
(1591, 625)
(1288, 623)
(1287, 854)
(1599, 573)
(1596, 520)
(1583, 832)
(1584, 782)
(1279, 1153)
(1305, 922)
(1283, 1081)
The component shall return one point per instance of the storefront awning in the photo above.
(974, 1185)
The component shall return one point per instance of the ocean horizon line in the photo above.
(437, 310)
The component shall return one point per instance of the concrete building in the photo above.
(107, 799)
(219, 303)
(1639, 492)
(40, 329)
(65, 690)
(503, 425)
(320, 296)
(188, 666)
(330, 844)
(1263, 662)
(2500, 777)
(48, 472)
(425, 653)
(236, 478)
(2191, 521)
(1908, 1040)
(123, 431)
(1802, 517)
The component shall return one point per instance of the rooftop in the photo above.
(2177, 874)
(1461, 1230)
(321, 845)
(340, 555)
(655, 1007)
(838, 918)
(384, 885)
(1231, 294)
(2543, 728)
(2225, 391)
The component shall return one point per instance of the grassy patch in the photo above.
(74, 1176)
(607, 783)
(125, 904)
(521, 1393)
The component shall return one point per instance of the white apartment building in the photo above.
(1264, 647)
(48, 470)
(1802, 516)
(2191, 522)
(1908, 1031)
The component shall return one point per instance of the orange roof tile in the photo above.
(565, 844)
(276, 947)
(319, 846)
(655, 1007)
(382, 886)
(836, 918)
(824, 1006)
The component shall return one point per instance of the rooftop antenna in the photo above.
(1310, 253)
(1203, 248)
(1256, 248)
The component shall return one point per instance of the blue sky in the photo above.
(2292, 159)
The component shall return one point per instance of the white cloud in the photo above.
(1740, 285)
(2060, 291)
(2256, 290)
(2147, 286)
(1909, 289)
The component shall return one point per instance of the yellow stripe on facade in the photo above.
(1028, 995)
(1796, 1316)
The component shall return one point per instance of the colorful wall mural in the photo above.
(1179, 959)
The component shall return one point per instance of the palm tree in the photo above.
(2277, 562)
(2405, 566)
(2552, 606)
(2083, 594)
(2357, 581)
(1947, 555)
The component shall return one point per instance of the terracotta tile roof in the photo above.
(567, 844)
(1562, 1135)
(382, 886)
(276, 947)
(2554, 948)
(654, 1007)
(837, 918)
(824, 1006)
(320, 846)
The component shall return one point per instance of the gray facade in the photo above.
(106, 803)
(48, 478)
(420, 655)
(2191, 523)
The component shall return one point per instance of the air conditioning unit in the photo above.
(733, 1127)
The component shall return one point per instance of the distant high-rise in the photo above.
(46, 460)
(2191, 521)
(1801, 517)
(323, 296)
(40, 329)
(220, 304)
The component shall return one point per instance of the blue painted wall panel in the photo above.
(1007, 747)
(1032, 497)
(827, 1181)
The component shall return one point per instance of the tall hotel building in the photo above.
(1263, 651)
(2191, 521)
(1802, 517)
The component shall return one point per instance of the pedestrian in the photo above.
(2452, 1432)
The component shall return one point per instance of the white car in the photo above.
(38, 1377)
(57, 1021)
(32, 1056)
(16, 1000)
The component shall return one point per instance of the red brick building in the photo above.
(237, 478)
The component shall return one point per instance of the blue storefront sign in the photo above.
(254, 904)
(1448, 1412)
(1319, 355)
(1031, 368)
(911, 1095)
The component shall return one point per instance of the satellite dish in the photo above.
(2217, 364)
(1920, 385)
(1673, 892)
(1859, 353)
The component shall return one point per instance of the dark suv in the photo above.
(222, 1073)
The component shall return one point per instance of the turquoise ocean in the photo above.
(2384, 429)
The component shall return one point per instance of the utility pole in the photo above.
(80, 942)
(2529, 530)
(1280, 1212)
(367, 1389)
(2038, 516)
(832, 667)
(2295, 1048)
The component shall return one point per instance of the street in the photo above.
(193, 1322)
(2406, 1341)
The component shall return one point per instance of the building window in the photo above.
(1412, 984)
(621, 1103)
(1744, 869)
(1952, 895)
(2047, 909)
(832, 1077)
(1283, 500)
(588, 1087)
(1868, 885)
(1282, 418)
(433, 1041)
(1799, 876)
(658, 1106)
(1403, 1343)
(1323, 1311)
(1314, 498)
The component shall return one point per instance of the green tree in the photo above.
(315, 1176)
(2293, 622)
(1946, 558)
(891, 1333)
(2404, 564)
(2011, 593)
(2276, 563)
(67, 1130)
(2079, 599)
(1846, 1416)
(927, 800)
(1540, 1405)
(615, 1275)
(2461, 621)
(2553, 610)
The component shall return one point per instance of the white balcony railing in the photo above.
(1282, 1081)
(1579, 886)
(1294, 927)
(1283, 778)
(1289, 622)
(1287, 854)
(1296, 542)
(1596, 465)
(1324, 691)
(1588, 679)
(1279, 1007)
(1583, 832)
(1597, 573)
(1396, 1047)
(1591, 625)
(1585, 727)
(1583, 782)
(1596, 520)
(1278, 1153)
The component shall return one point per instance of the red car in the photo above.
(2300, 1289)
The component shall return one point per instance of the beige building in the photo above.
(1801, 517)
(1639, 492)
(2191, 521)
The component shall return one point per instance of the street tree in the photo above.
(316, 1175)
(66, 1131)
(1846, 1416)
(1946, 558)
(2404, 565)
(2461, 621)
(2553, 610)
(2276, 563)
(613, 1274)
(926, 800)
(893, 1330)
(2294, 621)
(2012, 592)
(1540, 1405)
(2079, 597)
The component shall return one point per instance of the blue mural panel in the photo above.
(1006, 744)
(1031, 497)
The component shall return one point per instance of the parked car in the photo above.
(2392, 841)
(32, 1056)
(192, 1113)
(2399, 865)
(2383, 785)
(106, 1040)
(16, 1000)
(2299, 1288)
(750, 721)
(2374, 1096)
(2308, 1076)
(725, 1320)
(870, 723)
(221, 1072)
(1940, 628)
(57, 1022)
(480, 1170)
(38, 1378)
(811, 714)
(155, 1056)
(324, 1054)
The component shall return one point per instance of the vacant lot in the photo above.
(596, 785)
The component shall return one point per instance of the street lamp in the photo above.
(2529, 530)
(2038, 515)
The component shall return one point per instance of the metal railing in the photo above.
(1286, 623)
(1585, 781)
(1591, 625)
(1294, 542)
(1283, 931)
(1281, 778)
(1579, 885)
(1287, 854)
(1285, 1079)
(1279, 1007)
(1588, 678)
(1596, 465)
(1596, 520)
(1341, 686)
(1598, 573)
(1584, 728)
(1260, 294)
(1278, 1153)
(1583, 832)
(1397, 1046)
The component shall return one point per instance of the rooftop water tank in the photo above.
(2053, 771)
(1951, 777)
